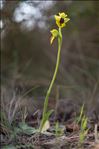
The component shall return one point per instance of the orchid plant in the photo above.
(61, 20)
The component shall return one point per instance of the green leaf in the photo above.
(24, 128)
(27, 129)
(46, 126)
(47, 115)
(81, 114)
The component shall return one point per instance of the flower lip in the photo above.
(61, 21)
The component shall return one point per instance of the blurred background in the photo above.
(28, 60)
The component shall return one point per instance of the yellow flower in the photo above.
(54, 33)
(61, 19)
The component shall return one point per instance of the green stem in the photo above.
(53, 79)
